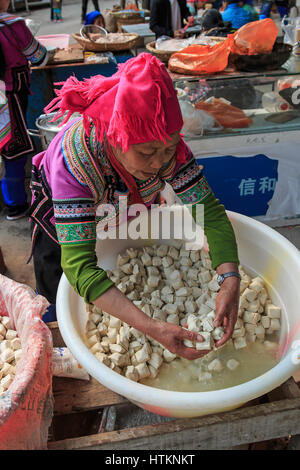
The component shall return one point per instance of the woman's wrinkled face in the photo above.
(145, 160)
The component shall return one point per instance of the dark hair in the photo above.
(211, 19)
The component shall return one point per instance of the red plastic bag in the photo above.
(26, 409)
(225, 114)
(257, 37)
(197, 59)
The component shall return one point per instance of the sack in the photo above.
(255, 38)
(197, 59)
(110, 21)
(226, 114)
(26, 408)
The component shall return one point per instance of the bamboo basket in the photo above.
(107, 46)
(164, 56)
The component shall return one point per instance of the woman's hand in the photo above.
(227, 304)
(172, 336)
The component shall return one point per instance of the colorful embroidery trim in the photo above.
(75, 233)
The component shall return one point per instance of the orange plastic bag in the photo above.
(198, 59)
(254, 38)
(225, 114)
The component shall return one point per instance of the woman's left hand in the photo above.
(227, 304)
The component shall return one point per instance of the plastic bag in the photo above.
(257, 37)
(226, 114)
(26, 409)
(198, 59)
(65, 365)
(196, 121)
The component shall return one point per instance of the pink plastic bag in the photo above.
(26, 409)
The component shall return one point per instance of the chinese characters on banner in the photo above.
(243, 184)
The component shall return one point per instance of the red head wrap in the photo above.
(137, 104)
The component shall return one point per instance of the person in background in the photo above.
(234, 13)
(213, 24)
(282, 7)
(84, 8)
(56, 6)
(166, 17)
(19, 47)
(248, 6)
(95, 17)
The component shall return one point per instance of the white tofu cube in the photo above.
(188, 343)
(204, 277)
(207, 324)
(173, 318)
(240, 342)
(260, 331)
(238, 332)
(205, 345)
(162, 250)
(275, 324)
(131, 373)
(251, 317)
(218, 333)
(114, 322)
(265, 321)
(168, 356)
(155, 360)
(216, 365)
(143, 370)
(144, 354)
(6, 322)
(204, 376)
(250, 294)
(232, 364)
(272, 311)
(103, 358)
(170, 309)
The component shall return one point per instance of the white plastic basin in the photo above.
(262, 251)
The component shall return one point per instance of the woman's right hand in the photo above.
(169, 335)
(172, 336)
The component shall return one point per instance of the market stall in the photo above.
(245, 131)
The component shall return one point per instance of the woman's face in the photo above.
(99, 21)
(145, 160)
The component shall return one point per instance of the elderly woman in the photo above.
(127, 143)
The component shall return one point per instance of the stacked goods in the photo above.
(10, 353)
(172, 284)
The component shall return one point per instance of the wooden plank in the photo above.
(58, 341)
(220, 431)
(288, 389)
(71, 395)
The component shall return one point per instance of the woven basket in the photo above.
(125, 16)
(262, 62)
(108, 46)
(129, 21)
(164, 56)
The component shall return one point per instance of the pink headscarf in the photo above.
(137, 104)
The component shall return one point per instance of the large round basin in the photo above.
(262, 251)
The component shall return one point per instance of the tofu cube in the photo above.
(272, 311)
(251, 317)
(250, 294)
(131, 373)
(265, 321)
(240, 342)
(143, 354)
(207, 324)
(173, 318)
(232, 364)
(6, 322)
(218, 333)
(168, 356)
(155, 360)
(142, 370)
(216, 366)
(205, 345)
(204, 376)
(275, 324)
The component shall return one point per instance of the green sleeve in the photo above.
(79, 264)
(219, 232)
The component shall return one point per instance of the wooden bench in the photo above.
(272, 416)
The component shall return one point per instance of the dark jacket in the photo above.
(160, 17)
